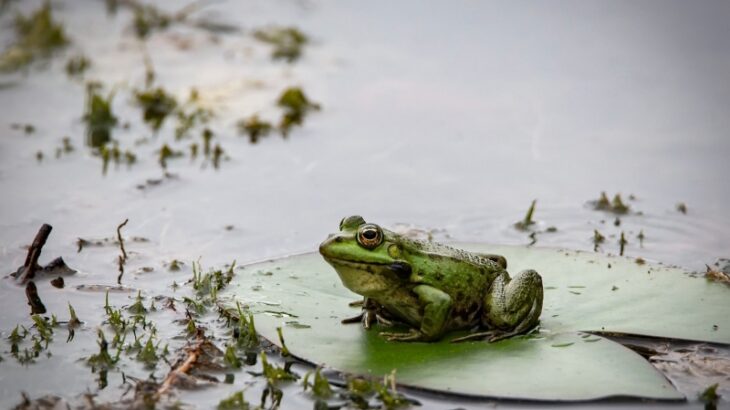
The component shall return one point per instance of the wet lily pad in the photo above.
(561, 362)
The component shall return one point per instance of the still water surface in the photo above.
(448, 116)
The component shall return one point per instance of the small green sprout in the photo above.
(320, 386)
(616, 206)
(597, 239)
(217, 155)
(167, 153)
(148, 19)
(234, 402)
(682, 207)
(273, 373)
(137, 308)
(98, 117)
(710, 397)
(254, 128)
(148, 354)
(102, 360)
(231, 358)
(287, 42)
(622, 243)
(525, 223)
(284, 350)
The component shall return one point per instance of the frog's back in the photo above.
(446, 252)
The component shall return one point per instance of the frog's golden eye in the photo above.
(369, 236)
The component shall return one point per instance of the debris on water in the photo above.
(287, 42)
(525, 223)
(37, 35)
(58, 282)
(639, 261)
(254, 128)
(622, 243)
(682, 207)
(616, 206)
(77, 65)
(217, 155)
(165, 153)
(641, 237)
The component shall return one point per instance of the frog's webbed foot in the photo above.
(371, 313)
(413, 335)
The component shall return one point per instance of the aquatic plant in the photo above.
(287, 42)
(37, 35)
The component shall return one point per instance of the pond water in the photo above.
(450, 117)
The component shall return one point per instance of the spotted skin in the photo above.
(431, 287)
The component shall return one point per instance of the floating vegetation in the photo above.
(77, 65)
(254, 128)
(525, 223)
(622, 243)
(156, 105)
(37, 35)
(287, 42)
(98, 117)
(296, 106)
(616, 205)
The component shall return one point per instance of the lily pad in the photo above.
(561, 362)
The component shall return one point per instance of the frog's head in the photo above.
(367, 258)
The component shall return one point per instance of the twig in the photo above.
(34, 252)
(119, 237)
(183, 368)
(123, 257)
(34, 301)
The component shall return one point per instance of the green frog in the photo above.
(430, 287)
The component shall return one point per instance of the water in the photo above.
(449, 117)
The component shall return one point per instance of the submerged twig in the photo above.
(27, 272)
(34, 301)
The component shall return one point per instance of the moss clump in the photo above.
(287, 42)
(37, 35)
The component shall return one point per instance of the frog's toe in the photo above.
(411, 336)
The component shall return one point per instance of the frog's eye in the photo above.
(370, 236)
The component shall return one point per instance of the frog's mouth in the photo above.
(399, 268)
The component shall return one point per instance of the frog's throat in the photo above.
(368, 278)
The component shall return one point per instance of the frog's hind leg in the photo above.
(513, 306)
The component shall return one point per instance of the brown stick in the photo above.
(34, 252)
(183, 368)
(119, 237)
(34, 301)
(123, 256)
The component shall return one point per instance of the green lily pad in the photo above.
(559, 363)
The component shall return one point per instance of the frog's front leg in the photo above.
(513, 306)
(436, 311)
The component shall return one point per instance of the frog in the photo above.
(432, 288)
